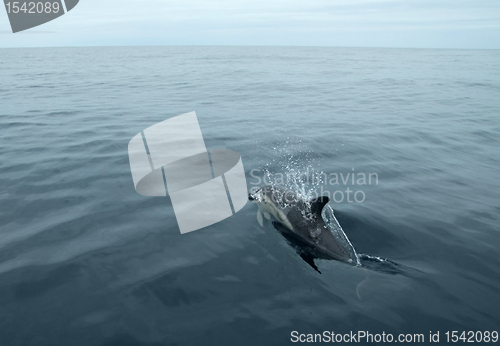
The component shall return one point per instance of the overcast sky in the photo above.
(353, 23)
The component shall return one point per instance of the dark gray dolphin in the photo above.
(309, 225)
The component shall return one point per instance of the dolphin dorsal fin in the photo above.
(318, 204)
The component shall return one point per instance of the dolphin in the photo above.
(302, 223)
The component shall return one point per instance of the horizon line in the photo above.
(245, 45)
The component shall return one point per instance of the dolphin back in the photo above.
(339, 235)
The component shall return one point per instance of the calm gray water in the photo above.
(85, 260)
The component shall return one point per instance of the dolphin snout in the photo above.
(254, 193)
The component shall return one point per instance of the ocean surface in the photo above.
(86, 260)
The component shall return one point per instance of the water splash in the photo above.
(294, 168)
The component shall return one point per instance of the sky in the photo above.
(470, 24)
